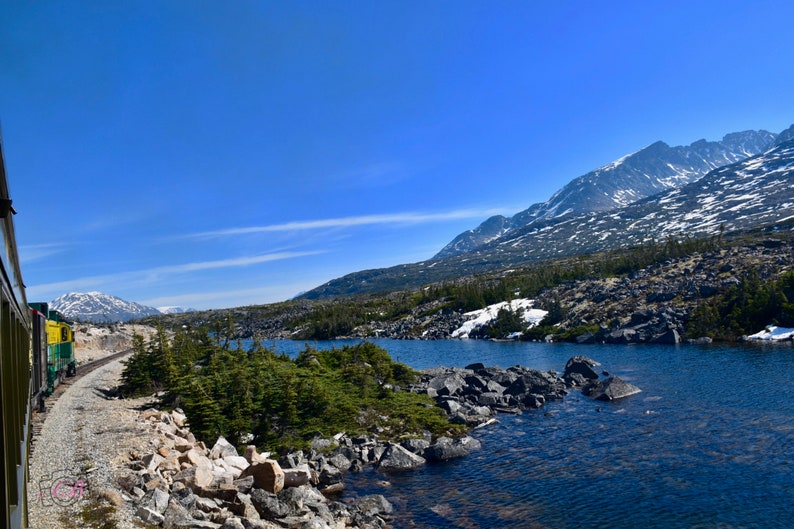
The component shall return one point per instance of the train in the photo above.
(53, 351)
(36, 353)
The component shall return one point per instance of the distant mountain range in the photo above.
(97, 307)
(654, 169)
(744, 181)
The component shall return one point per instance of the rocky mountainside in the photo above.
(97, 307)
(651, 170)
(755, 192)
(653, 304)
(650, 304)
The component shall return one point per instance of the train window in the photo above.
(64, 334)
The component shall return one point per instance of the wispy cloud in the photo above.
(36, 252)
(124, 280)
(348, 222)
(228, 263)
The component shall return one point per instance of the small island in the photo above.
(301, 424)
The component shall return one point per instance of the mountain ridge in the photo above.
(646, 172)
(750, 193)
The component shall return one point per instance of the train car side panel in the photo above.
(15, 358)
(38, 379)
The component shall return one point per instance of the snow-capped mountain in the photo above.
(654, 169)
(756, 192)
(100, 308)
(175, 310)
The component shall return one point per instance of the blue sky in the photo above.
(216, 154)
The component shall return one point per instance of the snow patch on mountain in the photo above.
(478, 318)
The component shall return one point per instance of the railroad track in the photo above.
(38, 418)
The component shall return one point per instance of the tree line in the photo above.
(745, 308)
(255, 396)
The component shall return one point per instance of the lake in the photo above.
(709, 443)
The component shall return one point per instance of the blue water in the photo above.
(709, 443)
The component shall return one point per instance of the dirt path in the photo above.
(83, 445)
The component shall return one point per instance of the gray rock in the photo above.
(245, 484)
(445, 448)
(576, 379)
(475, 384)
(183, 495)
(495, 387)
(177, 516)
(537, 382)
(375, 504)
(330, 475)
(533, 400)
(451, 407)
(299, 497)
(670, 337)
(415, 445)
(610, 389)
(295, 477)
(268, 505)
(340, 462)
(243, 506)
(448, 384)
(206, 505)
(222, 448)
(483, 411)
(156, 500)
(489, 399)
(149, 516)
(232, 523)
(397, 457)
(622, 336)
(580, 365)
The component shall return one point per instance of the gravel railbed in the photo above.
(82, 449)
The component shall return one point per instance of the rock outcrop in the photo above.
(472, 395)
(183, 484)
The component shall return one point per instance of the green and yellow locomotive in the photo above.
(53, 349)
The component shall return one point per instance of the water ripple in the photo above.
(708, 444)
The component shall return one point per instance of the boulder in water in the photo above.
(610, 389)
(398, 458)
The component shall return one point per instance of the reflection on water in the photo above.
(708, 443)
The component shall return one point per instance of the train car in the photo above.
(60, 361)
(15, 372)
(39, 364)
